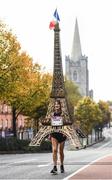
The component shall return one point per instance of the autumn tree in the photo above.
(9, 51)
(37, 103)
(22, 84)
(9, 61)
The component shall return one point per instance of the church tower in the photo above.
(77, 65)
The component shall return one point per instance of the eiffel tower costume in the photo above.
(57, 93)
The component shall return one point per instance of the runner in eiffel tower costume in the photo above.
(58, 121)
(58, 140)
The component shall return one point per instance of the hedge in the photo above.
(10, 145)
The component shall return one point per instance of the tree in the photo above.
(23, 85)
(87, 114)
(72, 91)
(73, 95)
(104, 107)
(9, 50)
(9, 61)
(36, 106)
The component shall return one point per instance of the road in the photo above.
(38, 166)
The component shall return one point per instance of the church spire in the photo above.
(76, 47)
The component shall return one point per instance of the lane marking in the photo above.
(44, 165)
(23, 161)
(84, 167)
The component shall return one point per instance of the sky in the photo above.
(29, 21)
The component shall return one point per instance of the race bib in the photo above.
(56, 121)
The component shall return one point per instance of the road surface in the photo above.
(38, 166)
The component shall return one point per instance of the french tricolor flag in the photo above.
(53, 22)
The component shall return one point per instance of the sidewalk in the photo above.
(101, 169)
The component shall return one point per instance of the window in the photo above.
(5, 108)
(0, 108)
(0, 123)
(75, 76)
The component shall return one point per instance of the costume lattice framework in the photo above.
(57, 93)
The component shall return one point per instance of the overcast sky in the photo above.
(29, 20)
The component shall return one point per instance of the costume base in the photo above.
(68, 131)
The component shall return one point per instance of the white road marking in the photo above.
(44, 165)
(84, 167)
(24, 161)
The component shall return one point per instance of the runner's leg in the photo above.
(61, 151)
(54, 150)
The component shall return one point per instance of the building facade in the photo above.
(76, 65)
(6, 126)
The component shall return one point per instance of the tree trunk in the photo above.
(14, 120)
(95, 135)
(101, 133)
(91, 137)
(87, 140)
(98, 134)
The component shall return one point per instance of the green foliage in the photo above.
(36, 105)
(39, 95)
(13, 145)
(87, 114)
(72, 91)
(73, 96)
(104, 107)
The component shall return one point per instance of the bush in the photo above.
(16, 145)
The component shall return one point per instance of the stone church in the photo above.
(76, 66)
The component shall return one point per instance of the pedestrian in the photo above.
(58, 141)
